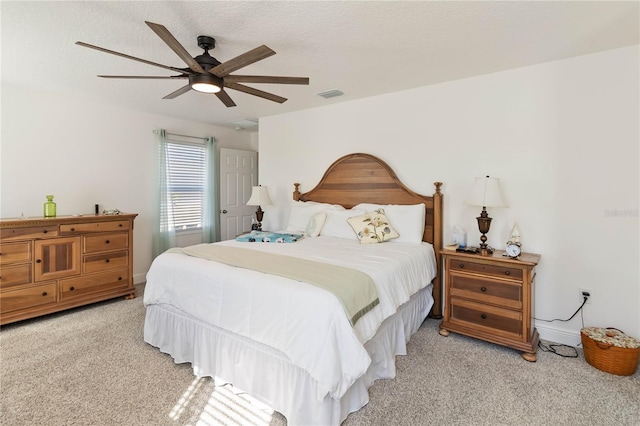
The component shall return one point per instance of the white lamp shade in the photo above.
(486, 192)
(259, 196)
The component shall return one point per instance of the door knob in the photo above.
(223, 211)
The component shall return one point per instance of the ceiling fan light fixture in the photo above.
(205, 83)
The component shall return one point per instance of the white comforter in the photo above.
(303, 321)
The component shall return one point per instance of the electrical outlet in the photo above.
(585, 292)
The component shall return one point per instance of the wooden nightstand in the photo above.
(491, 298)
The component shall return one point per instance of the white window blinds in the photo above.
(186, 173)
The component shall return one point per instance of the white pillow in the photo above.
(315, 224)
(300, 214)
(336, 224)
(408, 220)
(373, 227)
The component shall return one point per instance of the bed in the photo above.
(283, 337)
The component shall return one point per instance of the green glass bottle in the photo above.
(49, 207)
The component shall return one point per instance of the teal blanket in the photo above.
(268, 237)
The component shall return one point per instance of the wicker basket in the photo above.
(610, 350)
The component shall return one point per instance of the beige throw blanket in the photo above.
(354, 289)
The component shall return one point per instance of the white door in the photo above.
(238, 174)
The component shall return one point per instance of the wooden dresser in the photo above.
(491, 298)
(51, 264)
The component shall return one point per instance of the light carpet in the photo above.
(90, 366)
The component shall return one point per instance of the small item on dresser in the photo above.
(470, 249)
(111, 212)
(97, 210)
(459, 236)
(49, 207)
(514, 248)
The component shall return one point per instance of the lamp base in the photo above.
(485, 251)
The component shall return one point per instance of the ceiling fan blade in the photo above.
(265, 79)
(180, 91)
(144, 61)
(171, 41)
(171, 77)
(255, 92)
(241, 61)
(224, 97)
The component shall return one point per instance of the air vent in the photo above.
(244, 123)
(330, 93)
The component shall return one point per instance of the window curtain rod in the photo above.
(181, 136)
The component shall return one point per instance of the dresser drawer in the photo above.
(502, 293)
(27, 233)
(105, 242)
(104, 281)
(478, 314)
(106, 261)
(28, 298)
(15, 252)
(14, 275)
(77, 228)
(493, 270)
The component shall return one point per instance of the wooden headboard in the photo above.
(363, 178)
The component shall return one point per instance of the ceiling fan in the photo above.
(205, 73)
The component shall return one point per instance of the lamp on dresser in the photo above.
(485, 193)
(259, 197)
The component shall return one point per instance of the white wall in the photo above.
(563, 138)
(86, 153)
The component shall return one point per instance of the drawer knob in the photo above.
(507, 272)
(73, 229)
(120, 225)
(119, 278)
(462, 265)
(38, 261)
(72, 288)
(44, 293)
(45, 231)
(483, 289)
(483, 316)
(107, 242)
(106, 261)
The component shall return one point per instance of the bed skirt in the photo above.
(267, 374)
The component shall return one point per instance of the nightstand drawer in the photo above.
(493, 270)
(492, 317)
(501, 293)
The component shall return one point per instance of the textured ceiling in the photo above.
(362, 48)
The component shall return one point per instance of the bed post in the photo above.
(296, 193)
(436, 312)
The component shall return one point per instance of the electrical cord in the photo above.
(565, 320)
(553, 347)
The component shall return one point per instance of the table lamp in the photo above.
(259, 197)
(485, 193)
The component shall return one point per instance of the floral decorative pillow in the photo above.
(373, 227)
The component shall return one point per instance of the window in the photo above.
(186, 174)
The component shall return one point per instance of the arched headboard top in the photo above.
(363, 178)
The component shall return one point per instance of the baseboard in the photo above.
(139, 278)
(558, 336)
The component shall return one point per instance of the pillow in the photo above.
(336, 224)
(301, 213)
(408, 220)
(315, 224)
(373, 228)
